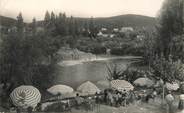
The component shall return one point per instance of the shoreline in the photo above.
(97, 58)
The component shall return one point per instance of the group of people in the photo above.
(117, 98)
(114, 98)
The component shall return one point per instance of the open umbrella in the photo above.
(25, 96)
(172, 86)
(144, 82)
(60, 89)
(121, 85)
(88, 88)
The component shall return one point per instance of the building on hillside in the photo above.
(111, 35)
(100, 34)
(126, 29)
(115, 30)
(12, 29)
(105, 35)
(103, 29)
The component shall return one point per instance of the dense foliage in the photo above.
(27, 57)
(170, 26)
(124, 73)
(168, 70)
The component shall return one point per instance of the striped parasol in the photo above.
(60, 89)
(121, 85)
(88, 88)
(25, 96)
(143, 82)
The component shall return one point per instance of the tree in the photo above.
(52, 17)
(85, 28)
(33, 26)
(178, 47)
(72, 26)
(47, 20)
(20, 24)
(62, 25)
(23, 55)
(76, 27)
(171, 24)
(92, 29)
(149, 47)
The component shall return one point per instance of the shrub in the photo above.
(168, 70)
(126, 73)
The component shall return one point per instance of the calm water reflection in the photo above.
(88, 71)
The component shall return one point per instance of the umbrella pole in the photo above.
(163, 94)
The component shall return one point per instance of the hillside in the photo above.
(7, 21)
(124, 20)
(128, 20)
(109, 22)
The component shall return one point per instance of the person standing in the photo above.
(169, 99)
(97, 100)
(78, 100)
(105, 96)
(181, 104)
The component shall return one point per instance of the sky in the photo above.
(79, 8)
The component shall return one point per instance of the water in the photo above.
(76, 74)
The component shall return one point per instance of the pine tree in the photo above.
(93, 30)
(47, 20)
(72, 26)
(33, 27)
(61, 24)
(85, 28)
(20, 24)
(52, 17)
(76, 27)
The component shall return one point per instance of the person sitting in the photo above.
(148, 96)
(29, 109)
(39, 107)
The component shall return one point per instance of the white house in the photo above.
(112, 35)
(116, 30)
(100, 34)
(103, 29)
(105, 35)
(126, 29)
